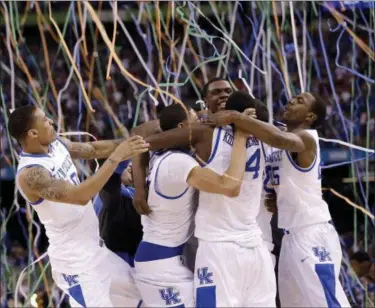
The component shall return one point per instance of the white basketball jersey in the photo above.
(171, 222)
(72, 230)
(299, 190)
(224, 219)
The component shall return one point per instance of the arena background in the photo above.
(176, 47)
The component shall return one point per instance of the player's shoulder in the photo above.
(33, 174)
(309, 137)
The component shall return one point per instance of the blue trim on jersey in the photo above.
(150, 252)
(263, 150)
(326, 274)
(215, 147)
(37, 202)
(298, 167)
(77, 294)
(156, 183)
(140, 304)
(23, 154)
(206, 297)
(126, 257)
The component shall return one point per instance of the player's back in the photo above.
(223, 219)
(172, 201)
(72, 230)
(299, 192)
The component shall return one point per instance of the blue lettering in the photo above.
(169, 296)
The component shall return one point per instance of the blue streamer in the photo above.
(345, 162)
(309, 40)
(347, 68)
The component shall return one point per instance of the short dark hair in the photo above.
(239, 101)
(360, 257)
(262, 111)
(159, 108)
(207, 85)
(20, 121)
(172, 115)
(319, 107)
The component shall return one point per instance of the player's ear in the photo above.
(180, 125)
(311, 117)
(32, 133)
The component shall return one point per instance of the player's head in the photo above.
(215, 94)
(239, 101)
(175, 115)
(361, 263)
(30, 125)
(306, 108)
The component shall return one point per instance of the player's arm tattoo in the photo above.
(40, 182)
(91, 150)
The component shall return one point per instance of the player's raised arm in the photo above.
(183, 137)
(36, 182)
(230, 182)
(91, 150)
(263, 131)
(139, 165)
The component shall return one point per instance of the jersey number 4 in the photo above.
(253, 164)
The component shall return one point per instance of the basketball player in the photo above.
(161, 276)
(233, 267)
(215, 94)
(310, 256)
(82, 266)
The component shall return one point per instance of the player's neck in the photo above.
(291, 127)
(35, 149)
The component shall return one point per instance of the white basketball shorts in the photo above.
(228, 275)
(309, 267)
(165, 283)
(110, 284)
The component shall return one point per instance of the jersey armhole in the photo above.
(63, 143)
(294, 164)
(156, 186)
(40, 200)
(214, 146)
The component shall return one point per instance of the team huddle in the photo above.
(208, 180)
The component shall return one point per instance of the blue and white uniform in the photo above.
(310, 256)
(233, 265)
(82, 266)
(161, 276)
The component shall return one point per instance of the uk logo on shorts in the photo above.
(204, 276)
(321, 253)
(71, 279)
(169, 296)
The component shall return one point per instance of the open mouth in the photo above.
(222, 104)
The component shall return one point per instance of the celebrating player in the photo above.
(310, 256)
(81, 264)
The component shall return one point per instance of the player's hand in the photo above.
(270, 202)
(220, 118)
(250, 112)
(131, 147)
(140, 203)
